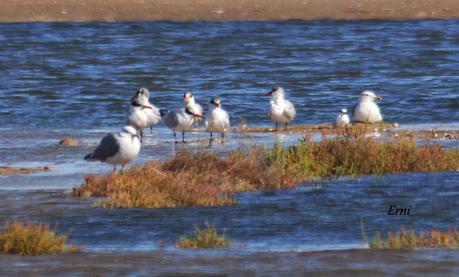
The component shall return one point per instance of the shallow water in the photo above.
(80, 75)
(61, 80)
(316, 216)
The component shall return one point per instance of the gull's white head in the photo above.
(276, 93)
(188, 98)
(141, 96)
(343, 111)
(216, 101)
(131, 131)
(369, 96)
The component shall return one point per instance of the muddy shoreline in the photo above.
(236, 263)
(192, 10)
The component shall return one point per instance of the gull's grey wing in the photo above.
(353, 111)
(289, 111)
(227, 123)
(171, 119)
(108, 147)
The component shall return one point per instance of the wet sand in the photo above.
(186, 10)
(236, 263)
(9, 170)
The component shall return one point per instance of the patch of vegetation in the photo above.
(32, 239)
(207, 237)
(205, 179)
(405, 239)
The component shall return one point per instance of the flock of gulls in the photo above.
(121, 148)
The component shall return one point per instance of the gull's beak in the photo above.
(378, 97)
(271, 92)
(147, 107)
(134, 136)
(216, 104)
(197, 115)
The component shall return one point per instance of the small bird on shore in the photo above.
(342, 120)
(218, 120)
(367, 111)
(117, 148)
(282, 110)
(182, 120)
(142, 113)
(195, 108)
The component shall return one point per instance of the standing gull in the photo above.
(366, 111)
(218, 120)
(120, 148)
(195, 108)
(342, 120)
(282, 110)
(142, 113)
(183, 119)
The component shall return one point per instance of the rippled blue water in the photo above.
(324, 215)
(75, 79)
(82, 74)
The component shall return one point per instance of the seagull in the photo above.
(342, 120)
(195, 108)
(366, 111)
(137, 117)
(281, 111)
(153, 115)
(183, 119)
(218, 119)
(120, 148)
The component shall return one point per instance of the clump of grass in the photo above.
(32, 239)
(207, 237)
(206, 179)
(405, 239)
(362, 156)
(189, 179)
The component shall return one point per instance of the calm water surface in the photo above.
(60, 80)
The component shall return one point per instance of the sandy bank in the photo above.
(9, 170)
(185, 10)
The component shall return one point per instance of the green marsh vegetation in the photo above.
(207, 237)
(31, 239)
(207, 179)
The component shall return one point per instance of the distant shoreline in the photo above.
(222, 10)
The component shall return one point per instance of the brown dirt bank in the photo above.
(9, 170)
(185, 10)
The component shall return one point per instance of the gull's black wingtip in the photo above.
(88, 157)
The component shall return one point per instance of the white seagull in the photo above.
(181, 120)
(342, 120)
(366, 111)
(282, 110)
(142, 113)
(195, 108)
(120, 148)
(218, 120)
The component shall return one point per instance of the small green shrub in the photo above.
(32, 239)
(207, 237)
(405, 239)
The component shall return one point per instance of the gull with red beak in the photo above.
(182, 120)
(195, 108)
(281, 110)
(142, 113)
(218, 120)
(367, 111)
(117, 148)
